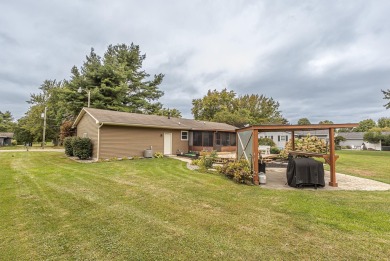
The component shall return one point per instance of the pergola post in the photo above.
(293, 140)
(332, 159)
(255, 156)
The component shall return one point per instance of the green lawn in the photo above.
(155, 209)
(366, 164)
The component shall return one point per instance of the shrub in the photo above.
(274, 150)
(82, 148)
(307, 144)
(158, 155)
(14, 143)
(68, 145)
(206, 161)
(339, 139)
(386, 140)
(267, 142)
(195, 162)
(239, 171)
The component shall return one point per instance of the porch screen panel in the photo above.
(197, 138)
(233, 139)
(208, 139)
(245, 143)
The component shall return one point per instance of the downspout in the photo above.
(98, 147)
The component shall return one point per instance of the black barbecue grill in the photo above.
(303, 172)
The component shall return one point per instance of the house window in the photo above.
(85, 135)
(184, 135)
(282, 138)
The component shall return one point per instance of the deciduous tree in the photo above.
(326, 122)
(224, 106)
(383, 122)
(213, 102)
(303, 121)
(365, 125)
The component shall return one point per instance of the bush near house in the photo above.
(79, 147)
(68, 145)
(239, 171)
(82, 148)
(206, 160)
(158, 155)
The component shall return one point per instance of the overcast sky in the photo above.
(319, 59)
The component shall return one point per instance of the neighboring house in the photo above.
(6, 138)
(355, 141)
(321, 134)
(122, 134)
(280, 138)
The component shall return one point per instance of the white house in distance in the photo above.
(355, 141)
(280, 138)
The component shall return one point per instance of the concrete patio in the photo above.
(276, 179)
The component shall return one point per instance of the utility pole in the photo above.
(80, 90)
(44, 128)
(89, 98)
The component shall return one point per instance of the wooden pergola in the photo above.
(249, 135)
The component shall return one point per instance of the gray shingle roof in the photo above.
(6, 135)
(356, 135)
(153, 121)
(351, 135)
(312, 132)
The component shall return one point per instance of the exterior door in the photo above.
(167, 143)
(217, 142)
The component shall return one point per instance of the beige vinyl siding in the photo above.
(123, 141)
(88, 125)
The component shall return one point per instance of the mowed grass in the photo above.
(156, 209)
(366, 164)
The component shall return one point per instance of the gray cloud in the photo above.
(319, 59)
